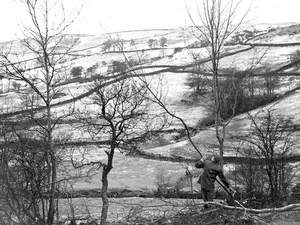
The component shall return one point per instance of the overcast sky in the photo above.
(99, 16)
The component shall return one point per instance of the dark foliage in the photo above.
(239, 93)
(295, 57)
(76, 71)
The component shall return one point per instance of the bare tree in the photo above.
(76, 71)
(200, 83)
(152, 43)
(271, 138)
(250, 176)
(119, 120)
(106, 45)
(217, 23)
(23, 183)
(270, 82)
(163, 42)
(44, 39)
(294, 58)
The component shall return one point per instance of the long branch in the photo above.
(290, 207)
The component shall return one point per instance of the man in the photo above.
(212, 169)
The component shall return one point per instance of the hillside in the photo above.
(171, 63)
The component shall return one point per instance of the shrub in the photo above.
(106, 45)
(118, 66)
(163, 42)
(163, 183)
(270, 140)
(295, 196)
(199, 84)
(239, 94)
(207, 121)
(295, 58)
(152, 43)
(251, 177)
(16, 86)
(177, 50)
(76, 71)
(90, 71)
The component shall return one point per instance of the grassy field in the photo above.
(128, 173)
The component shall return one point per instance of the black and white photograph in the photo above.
(150, 112)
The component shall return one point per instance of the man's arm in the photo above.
(223, 178)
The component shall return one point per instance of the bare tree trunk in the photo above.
(52, 161)
(106, 169)
(51, 212)
(221, 151)
(220, 130)
(105, 202)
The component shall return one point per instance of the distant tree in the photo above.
(199, 83)
(163, 42)
(251, 86)
(114, 44)
(90, 71)
(177, 50)
(271, 82)
(76, 71)
(133, 62)
(295, 58)
(16, 86)
(242, 37)
(195, 44)
(118, 44)
(204, 43)
(132, 43)
(106, 45)
(118, 66)
(151, 43)
(232, 94)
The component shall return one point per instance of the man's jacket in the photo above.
(210, 173)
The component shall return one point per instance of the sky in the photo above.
(101, 16)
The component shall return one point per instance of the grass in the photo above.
(127, 173)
